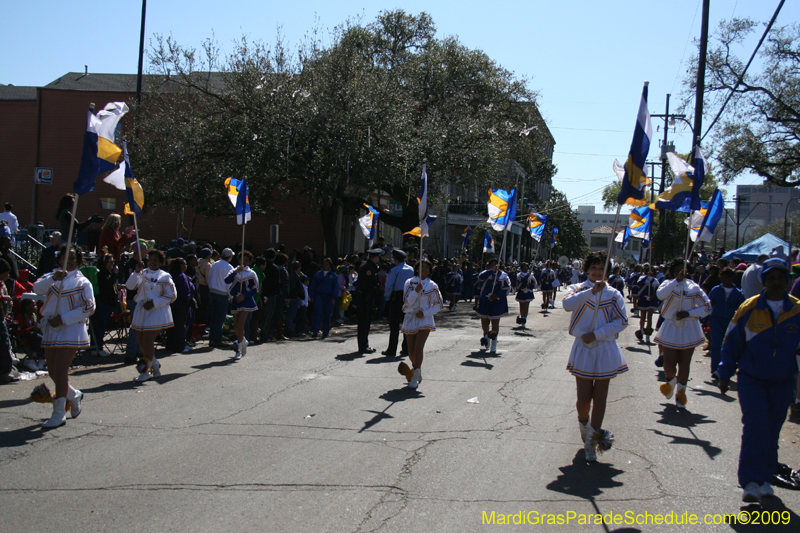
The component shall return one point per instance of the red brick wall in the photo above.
(63, 123)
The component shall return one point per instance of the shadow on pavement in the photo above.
(393, 396)
(213, 364)
(22, 436)
(478, 364)
(352, 356)
(585, 480)
(384, 359)
(773, 508)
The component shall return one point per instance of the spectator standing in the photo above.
(11, 220)
(47, 261)
(184, 290)
(203, 269)
(218, 297)
(112, 239)
(393, 293)
(751, 279)
(269, 293)
(296, 296)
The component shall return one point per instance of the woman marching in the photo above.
(684, 305)
(494, 287)
(421, 300)
(526, 283)
(548, 289)
(68, 304)
(646, 297)
(595, 357)
(244, 287)
(155, 291)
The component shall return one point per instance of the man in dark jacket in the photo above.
(269, 294)
(368, 286)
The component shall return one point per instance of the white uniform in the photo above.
(158, 287)
(686, 333)
(429, 301)
(75, 307)
(605, 360)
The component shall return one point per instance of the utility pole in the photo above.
(701, 81)
(738, 201)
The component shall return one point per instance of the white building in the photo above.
(597, 227)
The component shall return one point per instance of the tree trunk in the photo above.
(327, 216)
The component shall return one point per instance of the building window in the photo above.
(601, 242)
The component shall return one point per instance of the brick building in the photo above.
(44, 127)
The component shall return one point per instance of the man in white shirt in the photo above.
(11, 219)
(218, 297)
(751, 281)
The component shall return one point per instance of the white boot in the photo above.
(668, 388)
(584, 429)
(589, 445)
(493, 349)
(415, 379)
(75, 396)
(243, 347)
(680, 396)
(59, 417)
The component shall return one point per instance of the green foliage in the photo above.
(336, 122)
(570, 241)
(759, 131)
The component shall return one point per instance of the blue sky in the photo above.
(587, 60)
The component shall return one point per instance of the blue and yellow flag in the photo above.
(554, 237)
(369, 223)
(133, 191)
(502, 208)
(239, 195)
(99, 154)
(467, 233)
(536, 225)
(634, 179)
(703, 222)
(488, 243)
(417, 232)
(640, 222)
(684, 193)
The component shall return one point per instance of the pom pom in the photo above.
(41, 394)
(405, 370)
(666, 389)
(680, 396)
(603, 440)
(142, 366)
(493, 335)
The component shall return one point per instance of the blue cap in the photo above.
(774, 263)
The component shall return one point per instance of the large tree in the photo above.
(571, 241)
(759, 130)
(341, 123)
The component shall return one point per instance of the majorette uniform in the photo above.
(246, 284)
(490, 282)
(647, 293)
(75, 307)
(686, 333)
(454, 283)
(548, 277)
(157, 286)
(605, 360)
(526, 283)
(429, 301)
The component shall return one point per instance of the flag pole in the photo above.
(69, 243)
(605, 271)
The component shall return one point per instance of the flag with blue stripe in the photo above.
(536, 225)
(99, 153)
(369, 223)
(703, 222)
(502, 208)
(467, 233)
(239, 195)
(635, 180)
(488, 243)
(554, 237)
(623, 237)
(640, 222)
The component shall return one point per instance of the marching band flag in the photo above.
(703, 222)
(640, 222)
(623, 236)
(422, 198)
(417, 232)
(369, 223)
(684, 193)
(536, 225)
(553, 238)
(634, 178)
(239, 195)
(502, 208)
(99, 154)
(488, 243)
(467, 233)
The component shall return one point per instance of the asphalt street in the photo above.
(307, 435)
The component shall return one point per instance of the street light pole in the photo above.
(786, 220)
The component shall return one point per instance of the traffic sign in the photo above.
(43, 176)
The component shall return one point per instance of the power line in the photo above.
(688, 40)
(741, 76)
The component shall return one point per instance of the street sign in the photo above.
(43, 176)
